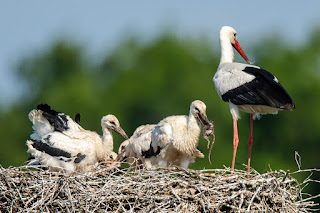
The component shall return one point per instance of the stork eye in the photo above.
(112, 122)
(111, 157)
(234, 34)
(197, 109)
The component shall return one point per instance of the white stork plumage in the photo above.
(134, 149)
(76, 149)
(138, 150)
(246, 88)
(46, 120)
(174, 140)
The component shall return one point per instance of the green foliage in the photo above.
(142, 83)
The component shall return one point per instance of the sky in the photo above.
(30, 26)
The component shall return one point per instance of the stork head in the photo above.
(198, 110)
(122, 152)
(111, 159)
(230, 34)
(111, 122)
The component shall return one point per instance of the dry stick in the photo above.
(305, 170)
(297, 157)
(241, 202)
(152, 190)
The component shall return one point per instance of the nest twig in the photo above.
(23, 189)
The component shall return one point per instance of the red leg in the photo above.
(235, 142)
(250, 142)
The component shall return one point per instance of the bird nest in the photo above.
(25, 189)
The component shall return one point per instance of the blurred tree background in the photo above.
(143, 82)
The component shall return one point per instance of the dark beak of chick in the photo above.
(202, 117)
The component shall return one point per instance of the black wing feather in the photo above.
(58, 120)
(77, 118)
(46, 148)
(150, 152)
(262, 90)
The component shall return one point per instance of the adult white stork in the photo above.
(246, 87)
(77, 150)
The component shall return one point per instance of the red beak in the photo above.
(237, 46)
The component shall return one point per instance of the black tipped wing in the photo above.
(45, 146)
(150, 152)
(46, 108)
(52, 151)
(58, 120)
(77, 118)
(264, 89)
(80, 157)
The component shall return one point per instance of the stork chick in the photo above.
(176, 138)
(76, 150)
(134, 149)
(137, 150)
(173, 141)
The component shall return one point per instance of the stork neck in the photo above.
(191, 137)
(227, 54)
(107, 138)
(193, 121)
